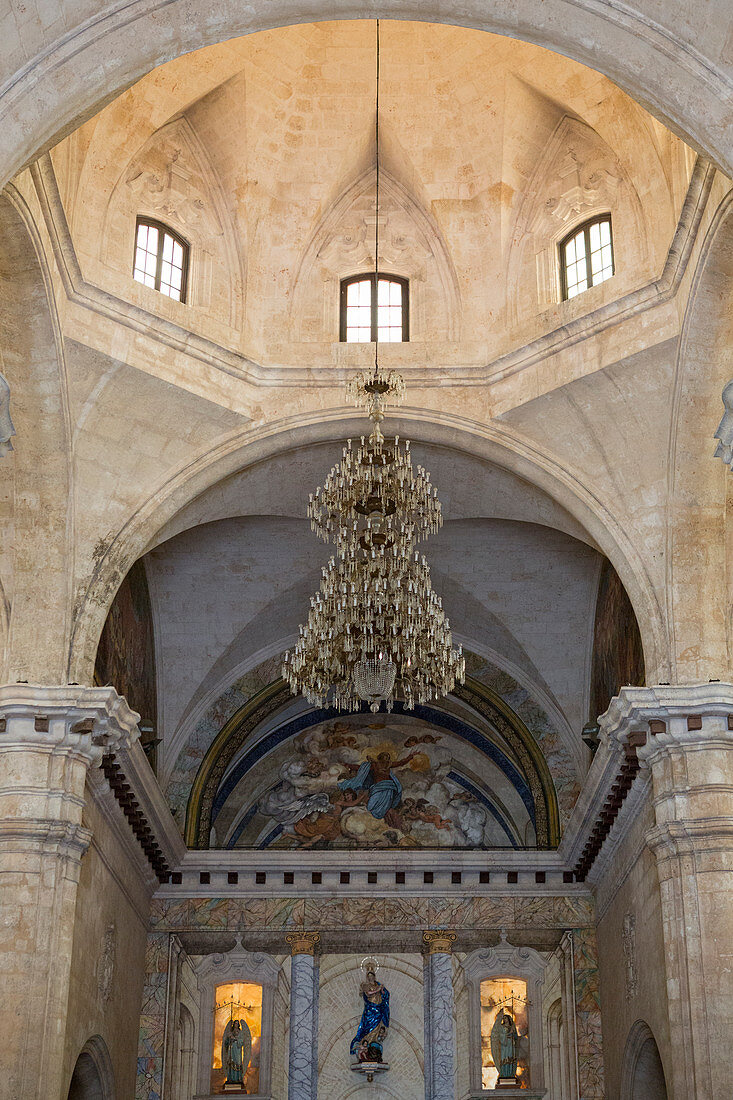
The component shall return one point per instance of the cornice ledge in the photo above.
(140, 776)
(90, 720)
(637, 706)
(89, 296)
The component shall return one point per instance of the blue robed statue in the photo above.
(369, 1039)
(379, 779)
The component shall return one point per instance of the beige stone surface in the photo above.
(190, 434)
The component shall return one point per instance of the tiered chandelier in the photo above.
(376, 630)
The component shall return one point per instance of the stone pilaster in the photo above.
(439, 1016)
(49, 738)
(303, 1062)
(689, 738)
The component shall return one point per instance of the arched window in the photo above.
(161, 258)
(586, 256)
(366, 315)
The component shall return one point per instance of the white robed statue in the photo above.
(236, 1048)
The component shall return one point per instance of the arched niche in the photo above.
(92, 1077)
(643, 1073)
(508, 962)
(237, 965)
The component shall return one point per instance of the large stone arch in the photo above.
(493, 442)
(92, 52)
(698, 570)
(33, 362)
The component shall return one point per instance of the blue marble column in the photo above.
(439, 1017)
(303, 1064)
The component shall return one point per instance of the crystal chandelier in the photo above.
(376, 630)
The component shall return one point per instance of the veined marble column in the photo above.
(689, 750)
(49, 738)
(439, 1016)
(303, 1064)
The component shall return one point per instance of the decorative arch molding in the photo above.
(577, 176)
(92, 58)
(536, 789)
(491, 442)
(92, 1077)
(642, 1076)
(411, 245)
(699, 506)
(35, 367)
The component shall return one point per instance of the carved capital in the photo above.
(303, 943)
(439, 941)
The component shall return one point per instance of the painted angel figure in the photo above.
(236, 1047)
(368, 1042)
(505, 1046)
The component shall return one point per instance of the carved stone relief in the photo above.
(577, 176)
(106, 964)
(343, 244)
(6, 424)
(628, 938)
(173, 180)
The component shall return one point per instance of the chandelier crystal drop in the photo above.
(376, 631)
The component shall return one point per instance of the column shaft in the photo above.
(440, 1017)
(303, 1048)
(49, 737)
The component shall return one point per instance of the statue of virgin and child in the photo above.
(367, 1044)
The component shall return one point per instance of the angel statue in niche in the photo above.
(236, 1047)
(367, 1044)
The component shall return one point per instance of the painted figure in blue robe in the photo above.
(379, 779)
(367, 1044)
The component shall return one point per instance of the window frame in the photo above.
(163, 228)
(585, 228)
(369, 276)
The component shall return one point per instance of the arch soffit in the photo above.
(639, 1035)
(95, 1055)
(694, 474)
(42, 453)
(491, 442)
(244, 722)
(231, 674)
(73, 75)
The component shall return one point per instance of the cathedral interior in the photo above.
(212, 219)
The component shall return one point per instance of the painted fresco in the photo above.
(126, 652)
(360, 783)
(618, 657)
